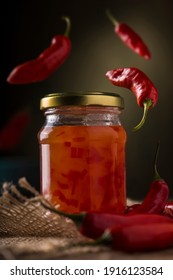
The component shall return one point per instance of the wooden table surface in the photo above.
(27, 248)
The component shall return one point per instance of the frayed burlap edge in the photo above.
(27, 228)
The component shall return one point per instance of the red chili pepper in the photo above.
(130, 37)
(46, 63)
(142, 87)
(157, 196)
(138, 238)
(11, 134)
(93, 224)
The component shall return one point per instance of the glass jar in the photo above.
(82, 152)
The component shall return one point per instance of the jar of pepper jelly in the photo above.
(82, 152)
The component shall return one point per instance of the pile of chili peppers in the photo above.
(145, 226)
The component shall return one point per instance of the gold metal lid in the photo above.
(81, 99)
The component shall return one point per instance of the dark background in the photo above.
(27, 29)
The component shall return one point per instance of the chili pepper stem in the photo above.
(146, 105)
(68, 27)
(77, 218)
(156, 174)
(104, 239)
(111, 18)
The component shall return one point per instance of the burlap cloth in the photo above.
(29, 231)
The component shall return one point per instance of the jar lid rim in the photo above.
(88, 98)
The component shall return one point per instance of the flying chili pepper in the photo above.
(130, 37)
(46, 63)
(142, 87)
(157, 196)
(12, 132)
(138, 238)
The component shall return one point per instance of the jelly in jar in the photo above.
(82, 152)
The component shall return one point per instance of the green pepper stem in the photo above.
(146, 105)
(156, 174)
(77, 218)
(104, 239)
(111, 18)
(68, 28)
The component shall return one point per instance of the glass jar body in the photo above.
(82, 159)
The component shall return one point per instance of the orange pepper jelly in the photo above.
(82, 153)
